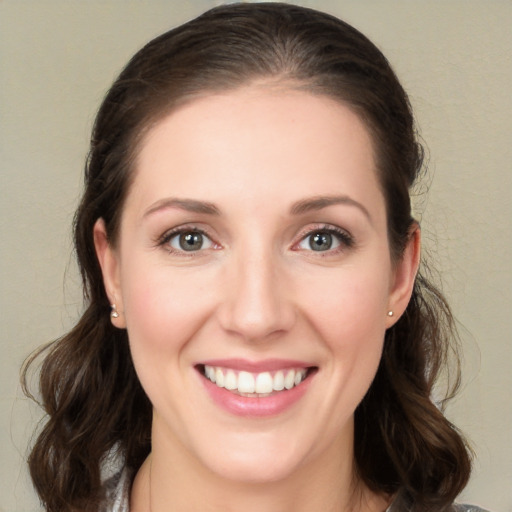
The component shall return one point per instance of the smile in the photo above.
(256, 389)
(256, 385)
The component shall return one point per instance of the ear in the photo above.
(109, 263)
(404, 276)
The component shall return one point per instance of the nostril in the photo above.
(256, 305)
(254, 322)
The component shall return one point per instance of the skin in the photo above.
(256, 291)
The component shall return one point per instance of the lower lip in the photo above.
(271, 405)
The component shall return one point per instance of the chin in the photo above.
(253, 463)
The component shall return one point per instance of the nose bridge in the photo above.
(256, 305)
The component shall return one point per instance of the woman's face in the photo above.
(253, 251)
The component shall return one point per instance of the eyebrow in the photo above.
(189, 205)
(299, 208)
(320, 202)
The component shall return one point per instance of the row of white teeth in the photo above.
(260, 383)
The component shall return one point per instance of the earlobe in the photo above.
(109, 263)
(404, 276)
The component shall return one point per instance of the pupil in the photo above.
(321, 241)
(191, 241)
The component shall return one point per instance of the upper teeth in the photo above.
(260, 383)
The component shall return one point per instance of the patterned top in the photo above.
(118, 496)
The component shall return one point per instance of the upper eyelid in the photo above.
(171, 233)
(344, 237)
(323, 227)
(163, 242)
(183, 228)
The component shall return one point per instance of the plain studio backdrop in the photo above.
(58, 57)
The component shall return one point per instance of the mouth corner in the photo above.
(311, 370)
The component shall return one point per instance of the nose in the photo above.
(257, 305)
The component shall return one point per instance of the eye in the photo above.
(319, 241)
(188, 241)
(325, 239)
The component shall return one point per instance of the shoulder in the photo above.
(468, 508)
(457, 507)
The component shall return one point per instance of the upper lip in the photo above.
(265, 365)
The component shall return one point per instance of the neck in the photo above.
(170, 480)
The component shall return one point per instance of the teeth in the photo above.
(245, 382)
(279, 381)
(264, 383)
(249, 384)
(230, 382)
(219, 378)
(289, 380)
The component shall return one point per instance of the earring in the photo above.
(114, 313)
(390, 313)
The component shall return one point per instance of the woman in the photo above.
(257, 335)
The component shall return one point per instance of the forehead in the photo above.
(252, 143)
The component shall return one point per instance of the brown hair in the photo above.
(90, 392)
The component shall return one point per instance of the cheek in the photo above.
(348, 305)
(163, 309)
(351, 322)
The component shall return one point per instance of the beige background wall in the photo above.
(454, 57)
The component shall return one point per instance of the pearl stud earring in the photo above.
(114, 313)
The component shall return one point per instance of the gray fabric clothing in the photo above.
(118, 496)
(117, 490)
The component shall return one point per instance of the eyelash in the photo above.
(164, 240)
(346, 241)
